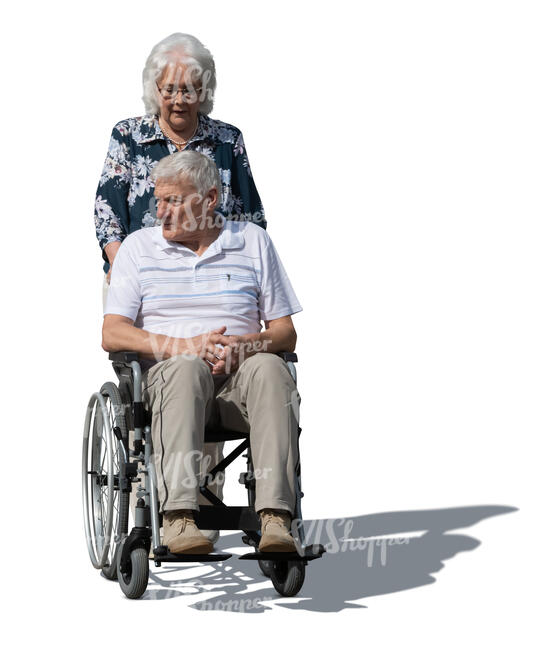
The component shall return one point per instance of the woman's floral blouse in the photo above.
(124, 199)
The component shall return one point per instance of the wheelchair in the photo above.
(112, 462)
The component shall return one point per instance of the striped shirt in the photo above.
(166, 288)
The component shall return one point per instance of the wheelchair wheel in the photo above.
(133, 577)
(266, 567)
(287, 577)
(105, 507)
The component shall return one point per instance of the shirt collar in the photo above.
(230, 237)
(150, 130)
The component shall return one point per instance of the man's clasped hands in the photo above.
(223, 353)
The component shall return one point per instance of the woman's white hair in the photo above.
(179, 48)
(192, 166)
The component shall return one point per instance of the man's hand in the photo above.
(111, 250)
(235, 349)
(207, 346)
(224, 354)
(279, 336)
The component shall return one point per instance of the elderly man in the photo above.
(189, 296)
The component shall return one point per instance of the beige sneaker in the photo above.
(181, 534)
(212, 535)
(275, 527)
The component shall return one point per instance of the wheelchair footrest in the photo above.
(311, 552)
(161, 554)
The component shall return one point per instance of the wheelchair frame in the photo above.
(129, 559)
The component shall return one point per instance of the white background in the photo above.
(404, 152)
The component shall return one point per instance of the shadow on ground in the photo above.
(368, 555)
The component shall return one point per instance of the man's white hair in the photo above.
(192, 166)
(185, 49)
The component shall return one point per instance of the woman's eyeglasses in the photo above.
(190, 95)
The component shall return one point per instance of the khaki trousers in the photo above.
(260, 397)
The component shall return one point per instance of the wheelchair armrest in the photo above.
(127, 357)
(124, 356)
(288, 356)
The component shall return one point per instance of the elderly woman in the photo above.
(179, 82)
(178, 89)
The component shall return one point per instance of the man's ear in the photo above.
(212, 197)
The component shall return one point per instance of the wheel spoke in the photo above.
(105, 449)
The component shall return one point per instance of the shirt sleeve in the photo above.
(277, 297)
(111, 210)
(247, 200)
(124, 294)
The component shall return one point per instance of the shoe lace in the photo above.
(183, 516)
(274, 517)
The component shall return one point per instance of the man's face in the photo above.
(182, 210)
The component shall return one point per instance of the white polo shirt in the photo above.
(166, 288)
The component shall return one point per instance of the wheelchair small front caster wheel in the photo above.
(266, 567)
(287, 577)
(133, 577)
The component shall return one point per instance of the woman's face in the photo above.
(179, 97)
